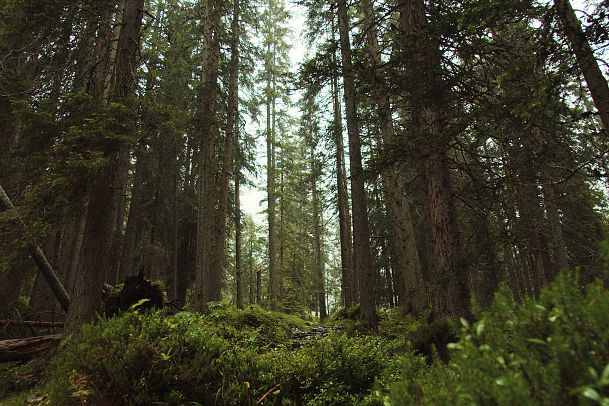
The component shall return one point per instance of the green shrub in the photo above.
(141, 359)
(334, 370)
(550, 351)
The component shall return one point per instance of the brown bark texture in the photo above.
(361, 230)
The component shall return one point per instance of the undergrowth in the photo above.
(553, 350)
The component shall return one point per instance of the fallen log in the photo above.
(38, 256)
(23, 349)
(31, 323)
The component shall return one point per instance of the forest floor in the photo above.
(546, 351)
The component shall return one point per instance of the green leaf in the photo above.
(537, 341)
(480, 327)
(604, 381)
(139, 303)
(591, 393)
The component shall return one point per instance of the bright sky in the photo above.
(252, 197)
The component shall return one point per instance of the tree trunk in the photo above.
(597, 84)
(41, 261)
(270, 171)
(24, 349)
(207, 285)
(127, 262)
(238, 238)
(361, 232)
(319, 265)
(105, 183)
(230, 142)
(559, 251)
(349, 293)
(404, 247)
(448, 286)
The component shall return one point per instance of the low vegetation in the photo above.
(553, 350)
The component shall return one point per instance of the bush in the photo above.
(141, 359)
(334, 370)
(227, 357)
(549, 351)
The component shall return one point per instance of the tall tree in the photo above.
(597, 83)
(427, 101)
(361, 232)
(208, 281)
(105, 184)
(412, 291)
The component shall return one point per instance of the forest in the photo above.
(304, 202)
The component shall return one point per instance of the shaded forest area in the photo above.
(434, 220)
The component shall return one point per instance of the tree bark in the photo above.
(449, 282)
(361, 231)
(127, 261)
(270, 168)
(319, 265)
(238, 238)
(559, 251)
(24, 349)
(43, 264)
(403, 243)
(348, 289)
(597, 84)
(230, 141)
(207, 284)
(105, 183)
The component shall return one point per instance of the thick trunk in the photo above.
(361, 232)
(106, 184)
(24, 349)
(230, 142)
(448, 287)
(405, 257)
(207, 284)
(597, 84)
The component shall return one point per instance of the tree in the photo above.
(597, 84)
(361, 233)
(97, 235)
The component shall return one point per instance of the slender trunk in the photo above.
(319, 266)
(117, 236)
(252, 278)
(173, 257)
(348, 291)
(597, 84)
(559, 251)
(76, 257)
(361, 232)
(270, 169)
(43, 264)
(238, 239)
(127, 262)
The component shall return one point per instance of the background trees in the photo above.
(129, 128)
